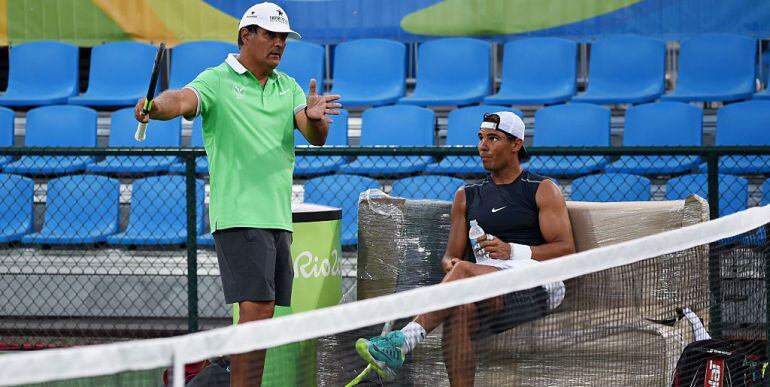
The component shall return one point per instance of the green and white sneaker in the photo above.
(383, 353)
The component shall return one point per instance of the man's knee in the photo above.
(255, 310)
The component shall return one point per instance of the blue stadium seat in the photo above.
(122, 129)
(79, 209)
(340, 191)
(119, 74)
(733, 190)
(764, 94)
(6, 132)
(159, 212)
(575, 124)
(369, 72)
(537, 71)
(302, 61)
(191, 58)
(715, 67)
(34, 80)
(16, 207)
(744, 123)
(660, 124)
(401, 125)
(611, 187)
(63, 126)
(314, 165)
(462, 129)
(625, 69)
(427, 187)
(452, 71)
(196, 140)
(206, 239)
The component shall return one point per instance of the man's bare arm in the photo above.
(314, 131)
(458, 232)
(554, 223)
(313, 121)
(170, 104)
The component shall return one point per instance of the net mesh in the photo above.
(94, 247)
(640, 270)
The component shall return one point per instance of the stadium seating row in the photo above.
(118, 76)
(84, 209)
(572, 124)
(451, 71)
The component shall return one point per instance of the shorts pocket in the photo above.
(251, 235)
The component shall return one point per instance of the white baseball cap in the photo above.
(268, 16)
(509, 123)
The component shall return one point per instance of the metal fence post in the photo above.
(192, 248)
(712, 160)
(767, 289)
(715, 270)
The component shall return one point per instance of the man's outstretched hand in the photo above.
(320, 107)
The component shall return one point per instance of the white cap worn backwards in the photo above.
(509, 123)
(268, 16)
(512, 124)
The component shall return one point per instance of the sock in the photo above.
(414, 333)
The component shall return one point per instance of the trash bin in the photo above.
(316, 254)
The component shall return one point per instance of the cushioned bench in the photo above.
(608, 330)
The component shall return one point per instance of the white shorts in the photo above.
(555, 290)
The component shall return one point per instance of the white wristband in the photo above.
(520, 251)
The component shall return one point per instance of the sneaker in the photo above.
(383, 353)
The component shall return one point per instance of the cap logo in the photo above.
(280, 18)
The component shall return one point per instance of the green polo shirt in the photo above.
(248, 133)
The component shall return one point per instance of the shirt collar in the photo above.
(232, 61)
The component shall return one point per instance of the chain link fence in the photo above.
(90, 254)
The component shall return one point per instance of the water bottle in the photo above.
(473, 234)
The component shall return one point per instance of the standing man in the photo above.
(525, 218)
(249, 112)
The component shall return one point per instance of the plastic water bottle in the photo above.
(473, 234)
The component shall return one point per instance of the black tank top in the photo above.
(507, 211)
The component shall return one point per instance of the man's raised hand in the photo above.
(321, 106)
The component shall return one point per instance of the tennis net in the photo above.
(618, 319)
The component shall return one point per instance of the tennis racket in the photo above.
(142, 128)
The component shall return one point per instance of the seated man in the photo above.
(525, 218)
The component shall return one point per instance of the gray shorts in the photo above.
(255, 264)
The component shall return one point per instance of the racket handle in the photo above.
(141, 130)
